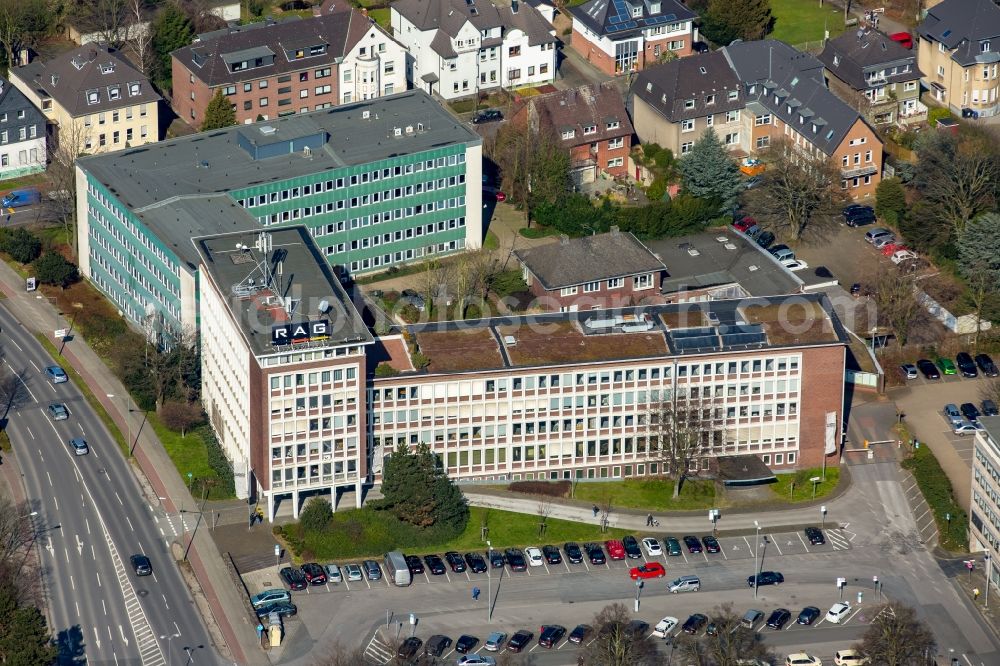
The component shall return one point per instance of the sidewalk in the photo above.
(37, 314)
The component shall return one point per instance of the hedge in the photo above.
(937, 490)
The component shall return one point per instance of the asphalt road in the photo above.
(91, 517)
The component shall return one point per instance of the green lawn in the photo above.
(382, 17)
(189, 454)
(652, 494)
(492, 242)
(799, 21)
(798, 488)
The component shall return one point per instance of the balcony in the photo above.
(858, 171)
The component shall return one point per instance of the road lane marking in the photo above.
(122, 632)
(72, 584)
(98, 578)
(177, 628)
(66, 553)
(30, 434)
(56, 500)
(165, 601)
(49, 477)
(87, 522)
(116, 492)
(92, 552)
(129, 522)
(104, 607)
(97, 638)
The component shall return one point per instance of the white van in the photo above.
(396, 569)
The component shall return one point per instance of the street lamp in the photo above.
(638, 590)
(756, 547)
(128, 420)
(489, 582)
(989, 578)
(169, 639)
(947, 518)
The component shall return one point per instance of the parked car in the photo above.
(673, 546)
(408, 648)
(465, 643)
(858, 215)
(631, 545)
(751, 617)
(794, 265)
(56, 374)
(952, 414)
(808, 615)
(665, 626)
(435, 565)
(928, 369)
(848, 657)
(519, 640)
(692, 543)
(616, 551)
(476, 660)
(353, 572)
(58, 412)
(495, 558)
(908, 370)
(436, 645)
(293, 578)
(966, 365)
(687, 583)
(700, 47)
(282, 608)
(637, 628)
(580, 633)
(652, 547)
(410, 297)
(782, 253)
(766, 578)
(550, 635)
(838, 612)
(487, 116)
(515, 559)
(495, 641)
(986, 364)
(970, 412)
(765, 239)
(694, 623)
(573, 552)
(333, 573)
(314, 573)
(455, 561)
(594, 553)
(534, 556)
(779, 617)
(269, 597)
(648, 570)
(372, 569)
(141, 565)
(964, 429)
(551, 554)
(989, 408)
(476, 562)
(414, 564)
(744, 224)
(711, 544)
(947, 366)
(872, 234)
(815, 536)
(903, 255)
(802, 659)
(882, 241)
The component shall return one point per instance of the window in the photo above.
(322, 73)
(636, 12)
(940, 70)
(389, 87)
(262, 102)
(347, 76)
(590, 129)
(762, 120)
(984, 46)
(763, 142)
(733, 95)
(568, 134)
(686, 147)
(322, 90)
(514, 74)
(687, 125)
(567, 291)
(303, 94)
(643, 281)
(689, 104)
(733, 116)
(616, 143)
(613, 125)
(732, 139)
(676, 45)
(513, 51)
(262, 84)
(93, 96)
(868, 156)
(591, 287)
(229, 90)
(616, 283)
(616, 162)
(709, 100)
(390, 67)
(114, 93)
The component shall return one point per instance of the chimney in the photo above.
(54, 79)
(563, 239)
(23, 56)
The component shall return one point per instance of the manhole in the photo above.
(142, 593)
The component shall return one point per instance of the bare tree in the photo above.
(65, 146)
(896, 637)
(436, 280)
(731, 644)
(337, 654)
(181, 415)
(605, 510)
(23, 23)
(13, 391)
(109, 19)
(616, 644)
(681, 430)
(16, 530)
(897, 304)
(544, 511)
(140, 34)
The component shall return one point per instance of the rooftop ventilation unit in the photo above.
(509, 340)
(366, 114)
(268, 130)
(752, 268)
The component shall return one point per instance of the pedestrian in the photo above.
(975, 594)
(596, 511)
(649, 520)
(475, 594)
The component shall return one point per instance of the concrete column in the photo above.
(270, 507)
(333, 499)
(295, 504)
(357, 494)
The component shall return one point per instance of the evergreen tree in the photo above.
(417, 491)
(890, 200)
(709, 172)
(52, 268)
(172, 29)
(726, 20)
(219, 113)
(24, 636)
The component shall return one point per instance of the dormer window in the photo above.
(568, 134)
(590, 129)
(734, 95)
(319, 49)
(836, 61)
(654, 8)
(133, 88)
(108, 68)
(613, 125)
(984, 46)
(114, 93)
(93, 96)
(788, 108)
(637, 12)
(649, 87)
(689, 104)
(710, 99)
(815, 128)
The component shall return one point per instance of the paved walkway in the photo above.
(37, 314)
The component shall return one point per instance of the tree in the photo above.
(16, 530)
(53, 268)
(219, 113)
(534, 163)
(615, 644)
(316, 515)
(979, 261)
(732, 644)
(726, 20)
(896, 300)
(799, 190)
(140, 36)
(181, 416)
(681, 431)
(708, 172)
(13, 391)
(107, 18)
(24, 635)
(22, 245)
(896, 637)
(890, 201)
(23, 23)
(417, 491)
(171, 30)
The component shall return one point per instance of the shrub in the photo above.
(52, 268)
(420, 361)
(219, 463)
(936, 114)
(657, 190)
(937, 490)
(509, 282)
(22, 246)
(548, 488)
(385, 370)
(316, 515)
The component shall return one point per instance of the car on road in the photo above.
(632, 550)
(495, 641)
(333, 573)
(964, 429)
(648, 570)
(573, 552)
(519, 640)
(580, 633)
(79, 446)
(808, 615)
(56, 374)
(465, 643)
(663, 628)
(673, 546)
(282, 608)
(766, 578)
(476, 562)
(848, 657)
(534, 556)
(838, 612)
(58, 412)
(987, 365)
(294, 578)
(684, 584)
(802, 659)
(487, 116)
(694, 623)
(692, 543)
(751, 618)
(353, 572)
(947, 366)
(711, 544)
(966, 365)
(551, 554)
(476, 660)
(550, 635)
(141, 565)
(435, 565)
(455, 561)
(815, 536)
(779, 618)
(269, 597)
(616, 551)
(436, 645)
(989, 408)
(970, 412)
(928, 369)
(314, 573)
(594, 553)
(414, 564)
(908, 370)
(408, 648)
(652, 547)
(372, 569)
(515, 559)
(953, 415)
(495, 558)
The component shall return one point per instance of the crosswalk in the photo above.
(146, 643)
(377, 652)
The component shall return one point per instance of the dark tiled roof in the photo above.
(605, 16)
(449, 16)
(13, 100)
(669, 86)
(68, 77)
(963, 25)
(853, 53)
(588, 259)
(596, 105)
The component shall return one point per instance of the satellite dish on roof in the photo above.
(324, 306)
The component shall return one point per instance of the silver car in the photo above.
(353, 572)
(58, 412)
(333, 573)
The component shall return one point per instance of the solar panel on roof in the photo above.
(739, 339)
(630, 25)
(615, 19)
(698, 332)
(704, 342)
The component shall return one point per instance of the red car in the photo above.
(890, 249)
(904, 39)
(648, 570)
(744, 224)
(616, 549)
(314, 573)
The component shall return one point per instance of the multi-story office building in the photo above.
(378, 183)
(984, 513)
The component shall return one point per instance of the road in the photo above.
(91, 517)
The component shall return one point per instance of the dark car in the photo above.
(966, 365)
(573, 553)
(712, 629)
(414, 564)
(455, 561)
(465, 643)
(551, 554)
(857, 215)
(519, 640)
(294, 579)
(766, 578)
(986, 364)
(970, 411)
(779, 618)
(282, 608)
(580, 633)
(815, 536)
(692, 543)
(314, 573)
(595, 553)
(711, 544)
(487, 116)
(496, 558)
(476, 562)
(436, 645)
(515, 559)
(990, 408)
(632, 547)
(551, 635)
(854, 208)
(699, 47)
(808, 615)
(673, 546)
(637, 629)
(694, 624)
(408, 648)
(765, 239)
(928, 369)
(141, 565)
(434, 564)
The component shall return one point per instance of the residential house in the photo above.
(279, 68)
(959, 52)
(872, 72)
(619, 36)
(22, 134)
(93, 97)
(463, 47)
(590, 121)
(783, 95)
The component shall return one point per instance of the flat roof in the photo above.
(289, 283)
(592, 258)
(215, 163)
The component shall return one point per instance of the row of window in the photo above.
(24, 158)
(364, 220)
(371, 263)
(23, 133)
(166, 281)
(326, 447)
(102, 118)
(114, 92)
(638, 282)
(320, 474)
(301, 379)
(126, 285)
(116, 137)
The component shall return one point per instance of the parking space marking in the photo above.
(850, 616)
(367, 583)
(775, 542)
(749, 547)
(803, 542)
(447, 577)
(544, 564)
(685, 557)
(821, 621)
(565, 563)
(447, 654)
